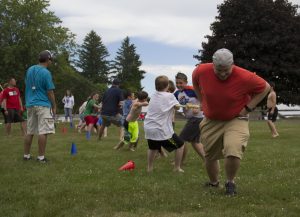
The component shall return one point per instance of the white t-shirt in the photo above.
(158, 120)
(82, 107)
(68, 101)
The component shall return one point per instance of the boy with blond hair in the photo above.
(158, 127)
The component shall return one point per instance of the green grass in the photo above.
(89, 183)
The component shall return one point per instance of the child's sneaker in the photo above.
(27, 158)
(211, 185)
(44, 160)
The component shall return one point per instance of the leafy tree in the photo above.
(28, 27)
(264, 36)
(126, 66)
(65, 77)
(93, 59)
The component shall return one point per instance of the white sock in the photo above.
(26, 155)
(41, 157)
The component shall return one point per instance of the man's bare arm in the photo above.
(256, 99)
(51, 97)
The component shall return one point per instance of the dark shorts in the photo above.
(170, 144)
(191, 130)
(273, 117)
(5, 117)
(126, 133)
(14, 116)
(116, 120)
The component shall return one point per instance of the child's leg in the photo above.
(105, 132)
(151, 156)
(133, 130)
(184, 154)
(101, 131)
(119, 145)
(199, 149)
(121, 133)
(162, 152)
(89, 129)
(178, 159)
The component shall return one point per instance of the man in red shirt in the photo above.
(12, 106)
(1, 101)
(227, 94)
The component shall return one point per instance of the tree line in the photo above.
(264, 36)
(28, 27)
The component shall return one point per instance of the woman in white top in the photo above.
(68, 102)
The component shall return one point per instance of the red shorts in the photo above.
(90, 119)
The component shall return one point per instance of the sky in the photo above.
(166, 33)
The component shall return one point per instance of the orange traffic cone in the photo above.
(128, 166)
(64, 130)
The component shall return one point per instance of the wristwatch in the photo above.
(248, 109)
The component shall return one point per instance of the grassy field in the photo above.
(89, 183)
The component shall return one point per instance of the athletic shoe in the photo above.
(209, 184)
(230, 189)
(45, 160)
(27, 158)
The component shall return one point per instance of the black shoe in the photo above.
(42, 161)
(209, 184)
(27, 158)
(230, 189)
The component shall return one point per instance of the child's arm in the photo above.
(177, 107)
(143, 104)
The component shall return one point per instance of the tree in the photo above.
(126, 66)
(92, 59)
(264, 36)
(28, 27)
(65, 77)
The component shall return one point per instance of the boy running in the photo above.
(131, 124)
(191, 132)
(90, 115)
(158, 124)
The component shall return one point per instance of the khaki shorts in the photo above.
(39, 121)
(224, 138)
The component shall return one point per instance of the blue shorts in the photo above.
(100, 121)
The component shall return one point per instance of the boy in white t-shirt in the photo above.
(158, 124)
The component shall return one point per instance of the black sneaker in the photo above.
(27, 158)
(230, 189)
(42, 161)
(209, 184)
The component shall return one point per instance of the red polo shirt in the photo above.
(12, 96)
(224, 99)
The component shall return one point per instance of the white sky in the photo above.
(172, 23)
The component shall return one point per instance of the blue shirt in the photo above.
(126, 107)
(111, 100)
(38, 82)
